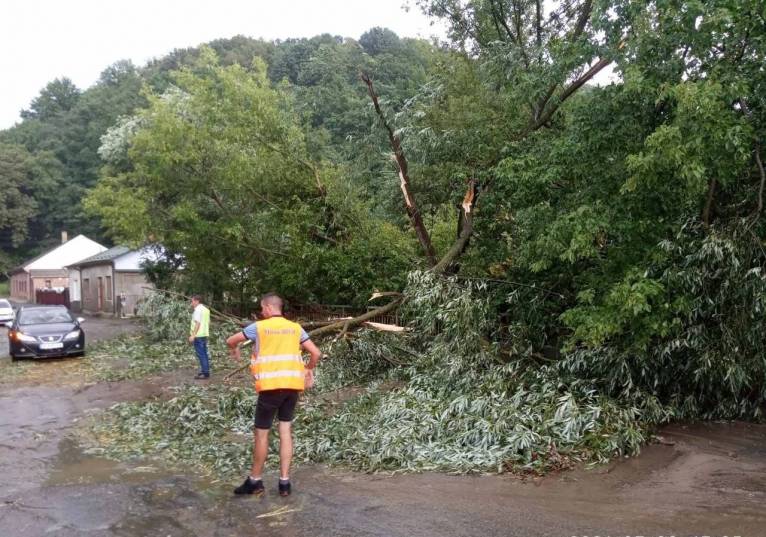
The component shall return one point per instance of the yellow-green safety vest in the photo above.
(204, 324)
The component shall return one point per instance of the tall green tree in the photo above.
(63, 130)
(16, 174)
(218, 171)
(56, 99)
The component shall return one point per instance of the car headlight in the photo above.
(74, 334)
(25, 338)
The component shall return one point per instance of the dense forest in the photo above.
(599, 248)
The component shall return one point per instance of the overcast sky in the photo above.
(41, 40)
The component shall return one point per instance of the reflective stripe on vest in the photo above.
(278, 365)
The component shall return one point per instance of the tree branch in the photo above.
(401, 163)
(757, 150)
(577, 31)
(499, 18)
(514, 37)
(217, 199)
(539, 24)
(459, 246)
(543, 103)
(356, 321)
(459, 20)
(763, 177)
(306, 164)
(568, 92)
(582, 20)
(215, 313)
(706, 211)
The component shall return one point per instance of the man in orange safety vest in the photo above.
(280, 376)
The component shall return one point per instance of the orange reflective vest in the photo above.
(278, 364)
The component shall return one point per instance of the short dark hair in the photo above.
(198, 298)
(273, 299)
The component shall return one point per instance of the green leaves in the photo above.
(691, 336)
(623, 309)
(17, 178)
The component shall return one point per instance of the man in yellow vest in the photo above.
(198, 334)
(280, 377)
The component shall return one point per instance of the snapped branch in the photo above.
(401, 163)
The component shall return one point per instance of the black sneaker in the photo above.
(199, 376)
(250, 487)
(284, 488)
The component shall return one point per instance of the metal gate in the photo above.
(52, 297)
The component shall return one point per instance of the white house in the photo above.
(48, 270)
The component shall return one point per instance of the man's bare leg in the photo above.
(285, 448)
(260, 451)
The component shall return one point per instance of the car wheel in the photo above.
(14, 358)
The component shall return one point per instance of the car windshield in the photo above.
(5, 305)
(44, 316)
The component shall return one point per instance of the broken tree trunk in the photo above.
(466, 230)
(401, 163)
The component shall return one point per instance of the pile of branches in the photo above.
(440, 396)
(450, 394)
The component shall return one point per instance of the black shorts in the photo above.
(280, 402)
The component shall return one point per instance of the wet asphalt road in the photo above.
(712, 482)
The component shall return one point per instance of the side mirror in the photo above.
(81, 320)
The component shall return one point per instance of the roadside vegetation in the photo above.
(575, 264)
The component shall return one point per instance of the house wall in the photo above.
(75, 286)
(89, 289)
(130, 261)
(20, 286)
(133, 285)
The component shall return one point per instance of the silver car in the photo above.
(6, 311)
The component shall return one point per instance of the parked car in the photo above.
(6, 311)
(45, 331)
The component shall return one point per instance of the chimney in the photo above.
(63, 237)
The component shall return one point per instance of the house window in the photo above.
(85, 289)
(109, 288)
(48, 284)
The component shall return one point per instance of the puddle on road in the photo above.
(73, 466)
(151, 500)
